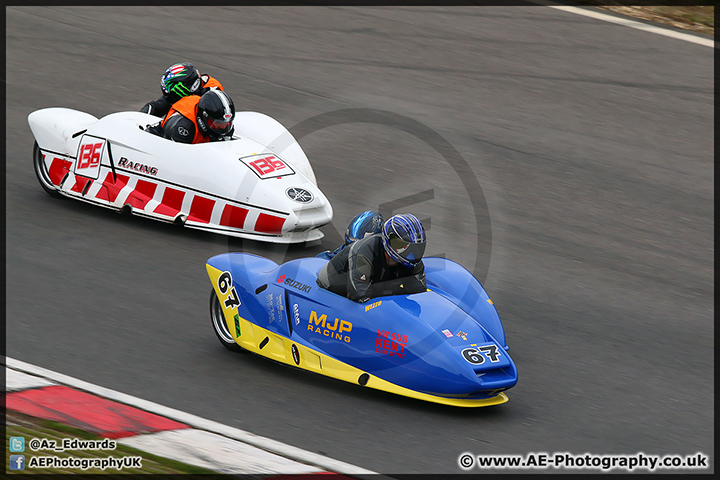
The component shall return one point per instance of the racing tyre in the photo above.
(219, 326)
(42, 174)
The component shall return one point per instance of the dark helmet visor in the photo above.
(412, 252)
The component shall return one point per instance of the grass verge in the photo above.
(698, 17)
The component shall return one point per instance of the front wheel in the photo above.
(218, 321)
(42, 174)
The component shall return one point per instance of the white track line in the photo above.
(631, 23)
(216, 452)
(16, 381)
(268, 444)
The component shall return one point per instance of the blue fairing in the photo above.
(453, 281)
(448, 341)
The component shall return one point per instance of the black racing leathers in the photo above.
(360, 271)
(159, 107)
(179, 129)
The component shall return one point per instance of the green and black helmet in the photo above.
(180, 80)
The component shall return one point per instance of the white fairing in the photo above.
(54, 127)
(259, 185)
(268, 131)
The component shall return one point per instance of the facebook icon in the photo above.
(17, 462)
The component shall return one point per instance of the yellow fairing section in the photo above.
(279, 348)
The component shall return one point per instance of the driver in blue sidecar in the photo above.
(385, 263)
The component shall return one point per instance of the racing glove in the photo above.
(159, 107)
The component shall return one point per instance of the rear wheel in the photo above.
(42, 174)
(218, 321)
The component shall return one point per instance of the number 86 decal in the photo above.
(224, 283)
(476, 356)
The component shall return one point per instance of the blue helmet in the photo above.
(367, 222)
(403, 237)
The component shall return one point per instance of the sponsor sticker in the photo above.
(392, 344)
(294, 284)
(337, 330)
(296, 313)
(373, 305)
(298, 194)
(270, 307)
(237, 325)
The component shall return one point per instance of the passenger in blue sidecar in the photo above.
(385, 263)
(362, 225)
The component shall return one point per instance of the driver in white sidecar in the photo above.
(194, 119)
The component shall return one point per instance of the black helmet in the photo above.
(215, 113)
(180, 80)
(367, 222)
(403, 237)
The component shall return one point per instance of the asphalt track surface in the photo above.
(588, 217)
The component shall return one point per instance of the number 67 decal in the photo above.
(476, 356)
(224, 283)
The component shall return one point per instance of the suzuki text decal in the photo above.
(323, 327)
(294, 284)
